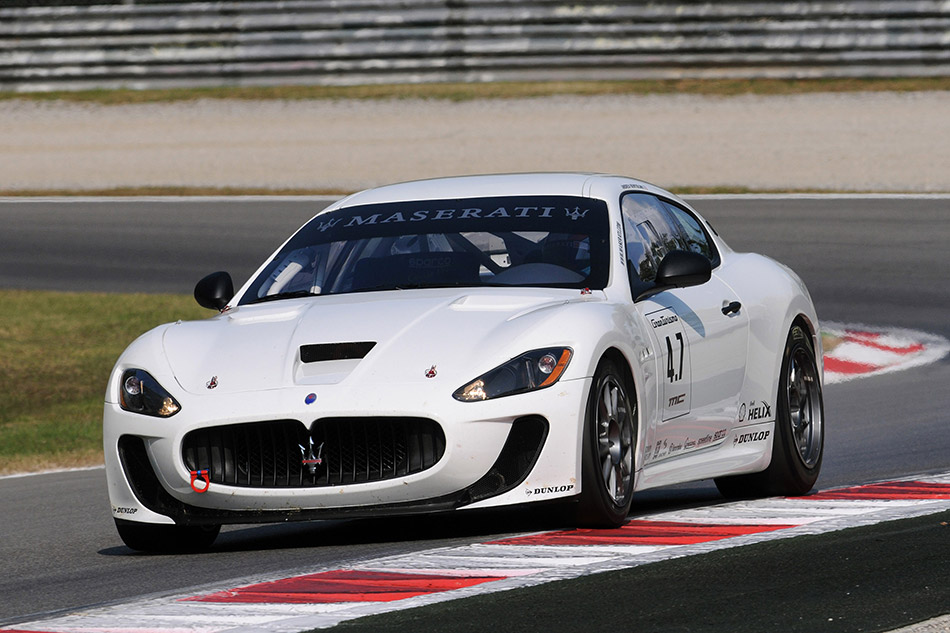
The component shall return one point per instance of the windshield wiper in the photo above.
(284, 295)
(415, 286)
(435, 284)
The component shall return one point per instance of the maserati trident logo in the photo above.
(431, 372)
(310, 459)
(576, 214)
(211, 384)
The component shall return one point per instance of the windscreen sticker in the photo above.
(546, 212)
(522, 211)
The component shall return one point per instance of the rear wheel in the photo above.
(798, 444)
(166, 539)
(610, 439)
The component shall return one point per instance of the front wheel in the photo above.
(799, 428)
(166, 539)
(609, 448)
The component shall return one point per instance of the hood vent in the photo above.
(334, 351)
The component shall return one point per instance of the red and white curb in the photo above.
(323, 597)
(857, 351)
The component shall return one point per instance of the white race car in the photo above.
(465, 343)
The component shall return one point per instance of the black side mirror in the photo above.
(214, 291)
(680, 269)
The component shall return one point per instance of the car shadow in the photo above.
(435, 530)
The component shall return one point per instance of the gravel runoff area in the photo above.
(874, 141)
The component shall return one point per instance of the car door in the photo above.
(699, 333)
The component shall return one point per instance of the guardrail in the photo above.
(68, 46)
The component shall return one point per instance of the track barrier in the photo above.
(74, 45)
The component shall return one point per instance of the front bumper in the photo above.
(510, 450)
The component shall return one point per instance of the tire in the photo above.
(609, 450)
(166, 539)
(799, 436)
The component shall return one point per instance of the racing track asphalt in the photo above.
(881, 261)
(874, 578)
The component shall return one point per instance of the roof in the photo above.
(548, 183)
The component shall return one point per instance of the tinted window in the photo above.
(694, 238)
(518, 241)
(654, 227)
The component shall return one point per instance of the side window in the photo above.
(694, 237)
(653, 228)
(650, 232)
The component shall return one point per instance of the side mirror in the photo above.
(214, 291)
(680, 269)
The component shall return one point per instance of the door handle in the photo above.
(731, 308)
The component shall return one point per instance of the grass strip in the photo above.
(56, 352)
(494, 90)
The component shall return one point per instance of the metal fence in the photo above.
(63, 45)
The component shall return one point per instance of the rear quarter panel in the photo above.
(773, 296)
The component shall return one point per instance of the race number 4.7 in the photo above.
(672, 342)
(674, 374)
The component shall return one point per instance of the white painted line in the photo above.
(53, 472)
(819, 196)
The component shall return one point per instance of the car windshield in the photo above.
(558, 241)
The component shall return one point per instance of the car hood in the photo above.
(401, 336)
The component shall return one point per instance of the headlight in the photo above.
(537, 369)
(140, 393)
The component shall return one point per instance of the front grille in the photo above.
(343, 451)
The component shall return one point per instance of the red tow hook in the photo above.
(195, 474)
